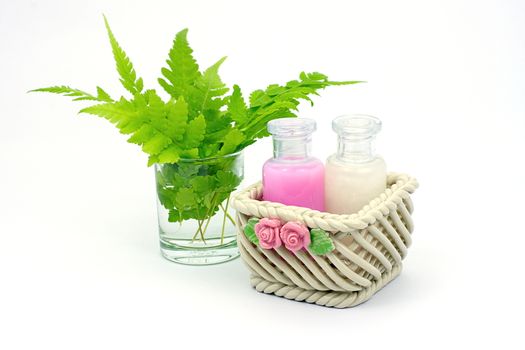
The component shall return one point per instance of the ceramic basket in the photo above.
(367, 247)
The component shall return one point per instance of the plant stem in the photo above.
(224, 218)
(202, 232)
(227, 214)
(207, 223)
(209, 216)
(199, 230)
(196, 233)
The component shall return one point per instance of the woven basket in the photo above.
(369, 247)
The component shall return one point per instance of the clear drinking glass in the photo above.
(196, 221)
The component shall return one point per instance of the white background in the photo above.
(79, 260)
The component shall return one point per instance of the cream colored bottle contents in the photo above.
(354, 175)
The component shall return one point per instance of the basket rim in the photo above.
(400, 186)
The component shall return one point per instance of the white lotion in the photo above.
(355, 174)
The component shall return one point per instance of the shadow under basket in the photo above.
(369, 247)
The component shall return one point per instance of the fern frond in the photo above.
(237, 107)
(232, 141)
(279, 101)
(161, 129)
(128, 76)
(68, 91)
(210, 87)
(79, 95)
(182, 71)
(176, 118)
(200, 119)
(195, 132)
(121, 113)
(103, 95)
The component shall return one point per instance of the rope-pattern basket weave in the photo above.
(369, 247)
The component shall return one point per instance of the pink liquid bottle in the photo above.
(293, 176)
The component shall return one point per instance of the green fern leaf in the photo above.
(216, 121)
(200, 120)
(279, 101)
(295, 94)
(156, 144)
(259, 98)
(68, 91)
(210, 86)
(275, 89)
(191, 153)
(145, 118)
(153, 109)
(314, 76)
(227, 181)
(166, 86)
(103, 95)
(120, 113)
(128, 76)
(237, 107)
(153, 160)
(195, 132)
(143, 135)
(232, 141)
(169, 155)
(177, 117)
(183, 70)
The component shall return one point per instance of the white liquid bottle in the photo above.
(355, 174)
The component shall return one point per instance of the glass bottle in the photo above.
(293, 176)
(355, 174)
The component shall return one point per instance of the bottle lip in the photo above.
(291, 127)
(356, 126)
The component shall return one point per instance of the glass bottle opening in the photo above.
(292, 138)
(291, 127)
(356, 126)
(356, 135)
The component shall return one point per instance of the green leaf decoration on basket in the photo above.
(320, 242)
(249, 230)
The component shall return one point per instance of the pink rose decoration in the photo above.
(267, 230)
(295, 236)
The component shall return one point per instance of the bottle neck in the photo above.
(292, 148)
(355, 150)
